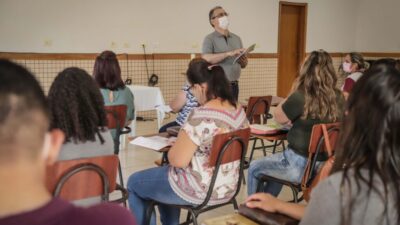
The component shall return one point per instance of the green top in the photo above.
(299, 135)
(121, 97)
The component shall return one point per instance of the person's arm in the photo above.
(182, 151)
(271, 204)
(215, 58)
(178, 102)
(290, 109)
(129, 101)
(279, 115)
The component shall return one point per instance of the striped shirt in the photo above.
(191, 103)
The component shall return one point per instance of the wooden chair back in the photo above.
(116, 116)
(83, 178)
(258, 106)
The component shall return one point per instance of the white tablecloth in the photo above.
(147, 98)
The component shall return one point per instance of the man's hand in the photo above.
(264, 201)
(243, 61)
(235, 52)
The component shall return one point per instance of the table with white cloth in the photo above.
(147, 98)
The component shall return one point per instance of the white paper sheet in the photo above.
(155, 142)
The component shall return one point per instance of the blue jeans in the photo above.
(286, 165)
(152, 184)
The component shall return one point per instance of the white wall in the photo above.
(165, 26)
(378, 26)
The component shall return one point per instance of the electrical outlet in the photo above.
(126, 45)
(47, 42)
(113, 44)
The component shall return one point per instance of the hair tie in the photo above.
(210, 67)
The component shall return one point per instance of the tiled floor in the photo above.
(134, 158)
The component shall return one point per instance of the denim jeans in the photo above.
(286, 165)
(153, 184)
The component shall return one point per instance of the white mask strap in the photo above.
(46, 146)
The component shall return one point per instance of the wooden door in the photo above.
(291, 43)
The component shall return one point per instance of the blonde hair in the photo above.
(317, 80)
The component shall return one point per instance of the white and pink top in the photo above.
(192, 183)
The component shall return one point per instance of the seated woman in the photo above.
(182, 104)
(315, 99)
(186, 180)
(107, 74)
(77, 108)
(354, 66)
(363, 187)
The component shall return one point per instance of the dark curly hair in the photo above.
(77, 106)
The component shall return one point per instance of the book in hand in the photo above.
(249, 49)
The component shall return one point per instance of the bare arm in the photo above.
(182, 151)
(178, 102)
(215, 58)
(280, 116)
(269, 203)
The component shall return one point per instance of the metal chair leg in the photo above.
(235, 205)
(149, 212)
(274, 149)
(294, 192)
(194, 216)
(121, 179)
(252, 150)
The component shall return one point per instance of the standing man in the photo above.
(222, 47)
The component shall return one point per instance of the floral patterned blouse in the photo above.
(192, 183)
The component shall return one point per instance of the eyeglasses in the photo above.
(220, 15)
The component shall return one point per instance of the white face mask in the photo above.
(346, 67)
(223, 22)
(46, 146)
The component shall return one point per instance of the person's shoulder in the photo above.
(234, 35)
(329, 186)
(297, 96)
(103, 214)
(211, 35)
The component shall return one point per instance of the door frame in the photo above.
(303, 35)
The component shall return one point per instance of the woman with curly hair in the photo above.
(77, 108)
(315, 99)
(107, 74)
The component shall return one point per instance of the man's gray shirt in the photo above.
(217, 43)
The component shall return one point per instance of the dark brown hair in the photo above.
(107, 71)
(200, 71)
(370, 141)
(211, 13)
